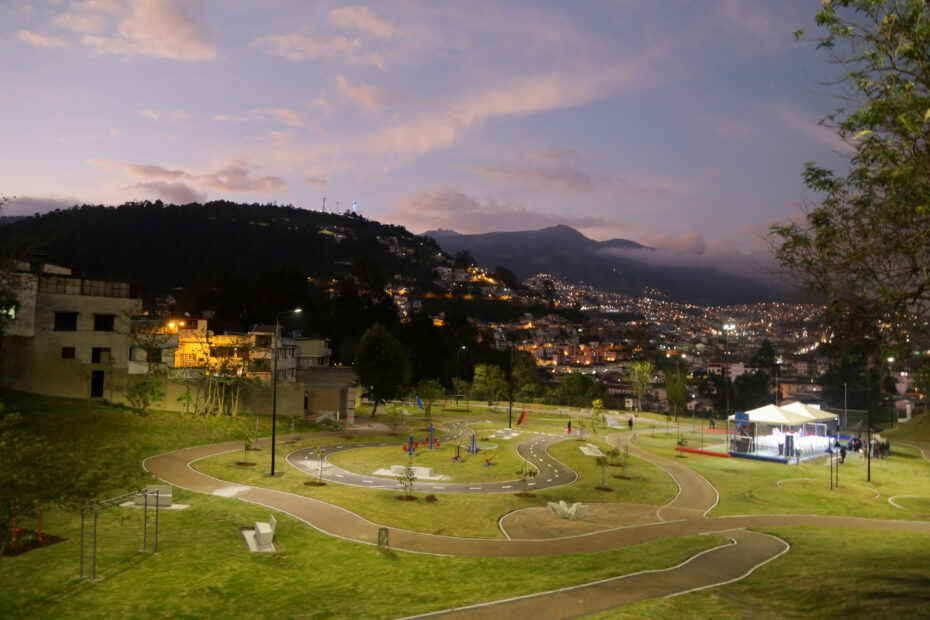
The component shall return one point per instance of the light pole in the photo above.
(458, 371)
(274, 380)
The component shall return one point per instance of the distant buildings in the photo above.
(82, 337)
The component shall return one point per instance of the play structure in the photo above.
(787, 434)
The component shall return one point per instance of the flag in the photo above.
(521, 418)
(419, 403)
(569, 426)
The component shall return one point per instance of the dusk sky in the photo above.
(681, 125)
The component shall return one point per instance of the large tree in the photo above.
(381, 365)
(640, 375)
(865, 246)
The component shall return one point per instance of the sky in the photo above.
(682, 125)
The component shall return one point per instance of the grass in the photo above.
(751, 487)
(828, 573)
(202, 568)
(648, 485)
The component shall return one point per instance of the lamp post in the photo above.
(274, 380)
(458, 371)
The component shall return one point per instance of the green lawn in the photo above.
(647, 485)
(752, 487)
(203, 569)
(828, 573)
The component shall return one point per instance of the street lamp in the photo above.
(274, 380)
(458, 372)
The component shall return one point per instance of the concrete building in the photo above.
(70, 335)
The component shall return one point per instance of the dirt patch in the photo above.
(405, 498)
(28, 540)
(540, 523)
(244, 464)
(605, 489)
(622, 477)
(524, 494)
(314, 483)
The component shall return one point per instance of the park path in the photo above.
(715, 567)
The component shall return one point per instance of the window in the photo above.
(100, 355)
(66, 321)
(153, 355)
(103, 322)
(67, 353)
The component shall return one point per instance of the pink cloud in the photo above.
(452, 208)
(156, 28)
(303, 45)
(39, 40)
(234, 178)
(286, 116)
(362, 18)
(163, 115)
(317, 182)
(688, 243)
(175, 193)
(368, 97)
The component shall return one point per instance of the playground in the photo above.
(671, 522)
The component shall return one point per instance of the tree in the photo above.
(576, 388)
(864, 248)
(144, 394)
(31, 472)
(676, 389)
(462, 387)
(381, 365)
(639, 374)
(463, 260)
(429, 391)
(490, 381)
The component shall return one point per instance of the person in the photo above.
(842, 454)
(713, 422)
(630, 422)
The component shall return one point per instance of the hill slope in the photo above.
(565, 252)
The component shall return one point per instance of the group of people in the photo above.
(879, 446)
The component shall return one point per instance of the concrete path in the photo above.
(534, 448)
(695, 499)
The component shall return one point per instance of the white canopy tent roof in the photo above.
(776, 416)
(816, 413)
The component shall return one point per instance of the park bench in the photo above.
(264, 532)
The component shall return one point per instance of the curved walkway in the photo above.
(696, 497)
(534, 449)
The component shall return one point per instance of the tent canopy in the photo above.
(816, 414)
(776, 416)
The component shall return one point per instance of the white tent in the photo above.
(816, 414)
(775, 416)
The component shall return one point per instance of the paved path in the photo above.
(534, 448)
(747, 550)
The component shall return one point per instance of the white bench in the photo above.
(264, 532)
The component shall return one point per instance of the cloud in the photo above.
(175, 193)
(321, 104)
(452, 208)
(686, 244)
(303, 45)
(801, 122)
(317, 182)
(29, 205)
(156, 28)
(287, 116)
(233, 178)
(362, 18)
(368, 97)
(38, 40)
(163, 115)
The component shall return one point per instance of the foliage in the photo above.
(8, 299)
(32, 473)
(864, 248)
(676, 389)
(381, 365)
(429, 391)
(489, 381)
(145, 394)
(639, 374)
(406, 479)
